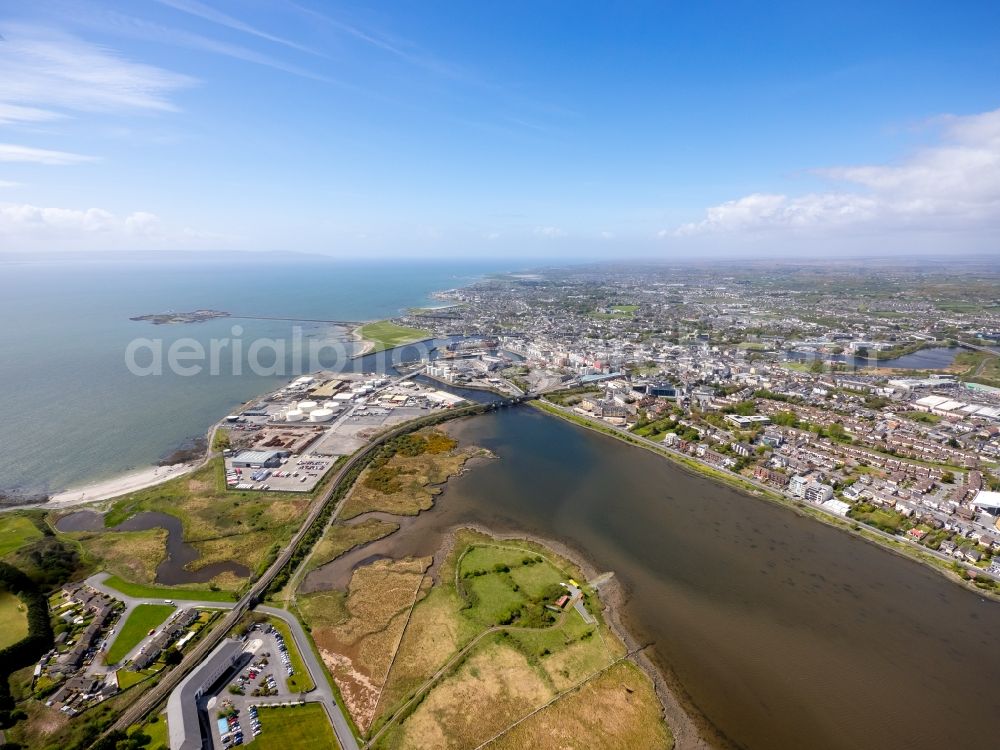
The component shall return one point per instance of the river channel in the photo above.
(786, 634)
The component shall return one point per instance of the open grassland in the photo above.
(300, 681)
(357, 633)
(294, 728)
(614, 711)
(13, 619)
(16, 531)
(385, 334)
(243, 526)
(979, 367)
(478, 652)
(141, 620)
(341, 537)
(403, 479)
(133, 555)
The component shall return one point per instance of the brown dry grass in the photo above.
(358, 634)
(618, 710)
(247, 549)
(492, 689)
(133, 555)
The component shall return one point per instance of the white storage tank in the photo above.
(307, 406)
(294, 415)
(321, 415)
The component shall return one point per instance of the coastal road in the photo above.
(146, 703)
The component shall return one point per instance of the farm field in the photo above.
(15, 532)
(13, 619)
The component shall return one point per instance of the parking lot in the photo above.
(297, 474)
(262, 681)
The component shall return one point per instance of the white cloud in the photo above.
(44, 74)
(9, 184)
(24, 226)
(11, 152)
(200, 10)
(550, 232)
(952, 185)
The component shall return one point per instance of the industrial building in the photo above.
(254, 459)
(183, 724)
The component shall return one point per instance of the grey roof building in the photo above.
(182, 706)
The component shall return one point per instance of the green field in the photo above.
(150, 592)
(300, 682)
(294, 728)
(143, 618)
(127, 678)
(13, 619)
(15, 532)
(385, 334)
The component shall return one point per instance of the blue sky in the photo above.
(560, 129)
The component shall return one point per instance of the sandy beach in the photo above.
(115, 486)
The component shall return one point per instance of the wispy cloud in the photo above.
(132, 27)
(24, 226)
(550, 232)
(14, 113)
(9, 184)
(46, 73)
(401, 48)
(953, 184)
(10, 152)
(207, 13)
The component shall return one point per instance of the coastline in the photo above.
(848, 526)
(122, 484)
(686, 724)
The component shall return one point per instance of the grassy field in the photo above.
(127, 678)
(385, 334)
(15, 532)
(500, 652)
(134, 555)
(507, 656)
(168, 592)
(142, 619)
(294, 728)
(157, 732)
(629, 716)
(13, 619)
(300, 681)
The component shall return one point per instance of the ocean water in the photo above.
(71, 411)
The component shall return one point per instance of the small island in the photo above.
(195, 316)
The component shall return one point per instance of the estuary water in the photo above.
(786, 634)
(71, 412)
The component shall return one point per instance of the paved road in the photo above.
(323, 693)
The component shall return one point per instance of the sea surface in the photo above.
(785, 633)
(72, 412)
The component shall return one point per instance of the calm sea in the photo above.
(71, 411)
